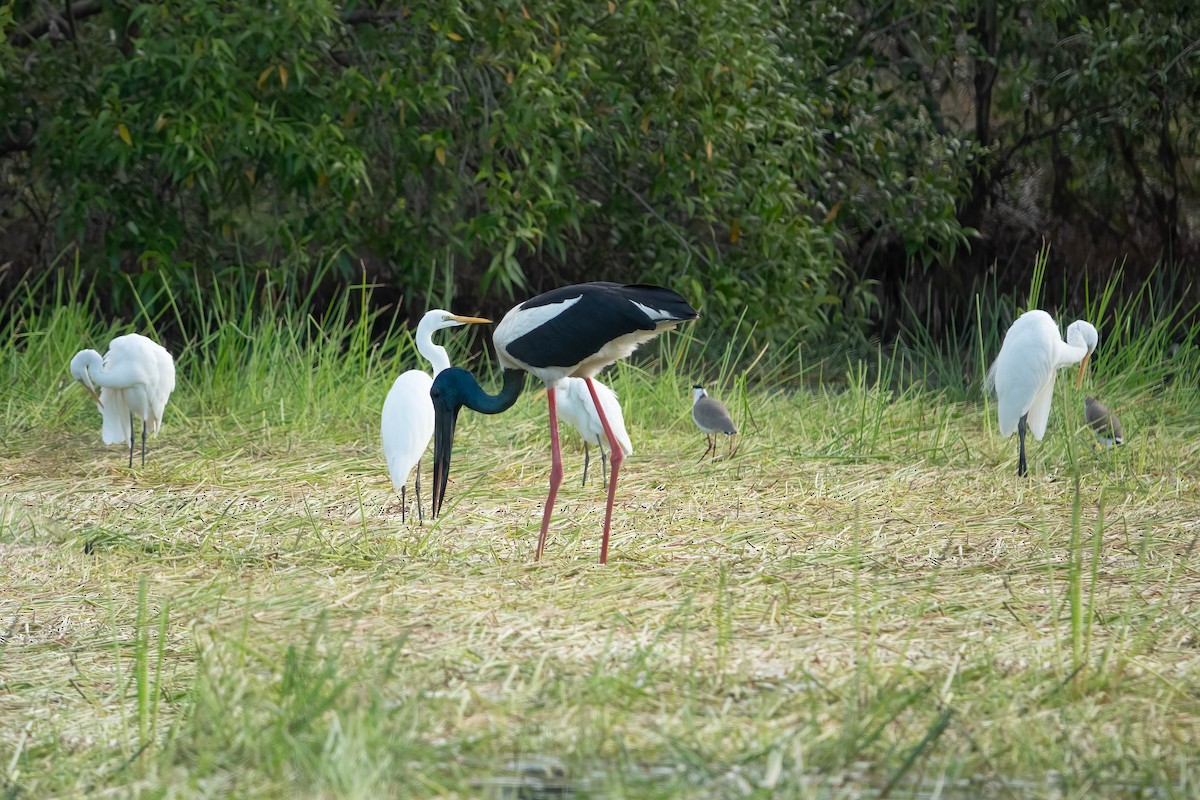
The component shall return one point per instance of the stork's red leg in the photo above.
(615, 457)
(556, 472)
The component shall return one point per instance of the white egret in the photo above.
(1023, 373)
(575, 331)
(711, 417)
(576, 408)
(406, 424)
(136, 377)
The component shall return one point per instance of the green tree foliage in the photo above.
(763, 158)
(1083, 118)
(498, 147)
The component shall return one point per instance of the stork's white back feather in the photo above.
(521, 320)
(656, 314)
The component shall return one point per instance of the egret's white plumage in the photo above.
(136, 377)
(406, 424)
(575, 407)
(1023, 373)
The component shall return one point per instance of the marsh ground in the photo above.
(865, 599)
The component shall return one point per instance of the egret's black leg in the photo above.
(132, 439)
(143, 443)
(585, 463)
(403, 502)
(603, 473)
(1022, 469)
(420, 516)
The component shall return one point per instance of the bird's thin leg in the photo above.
(403, 502)
(556, 472)
(1022, 468)
(617, 456)
(731, 449)
(602, 471)
(709, 441)
(417, 488)
(585, 463)
(143, 443)
(132, 439)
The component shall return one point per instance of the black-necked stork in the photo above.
(1023, 373)
(574, 331)
(711, 417)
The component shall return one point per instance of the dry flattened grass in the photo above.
(864, 584)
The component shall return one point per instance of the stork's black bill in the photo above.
(445, 418)
(596, 313)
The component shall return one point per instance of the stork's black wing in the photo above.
(604, 311)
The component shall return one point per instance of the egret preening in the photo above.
(1023, 374)
(576, 408)
(136, 377)
(575, 331)
(1103, 422)
(406, 425)
(711, 417)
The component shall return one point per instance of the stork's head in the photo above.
(452, 389)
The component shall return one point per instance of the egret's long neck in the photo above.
(1072, 350)
(477, 399)
(118, 376)
(435, 354)
(85, 362)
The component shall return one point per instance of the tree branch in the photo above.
(371, 16)
(25, 35)
(9, 146)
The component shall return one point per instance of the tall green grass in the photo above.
(865, 601)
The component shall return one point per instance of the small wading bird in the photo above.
(1023, 374)
(576, 408)
(575, 331)
(1104, 423)
(711, 417)
(406, 424)
(136, 377)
